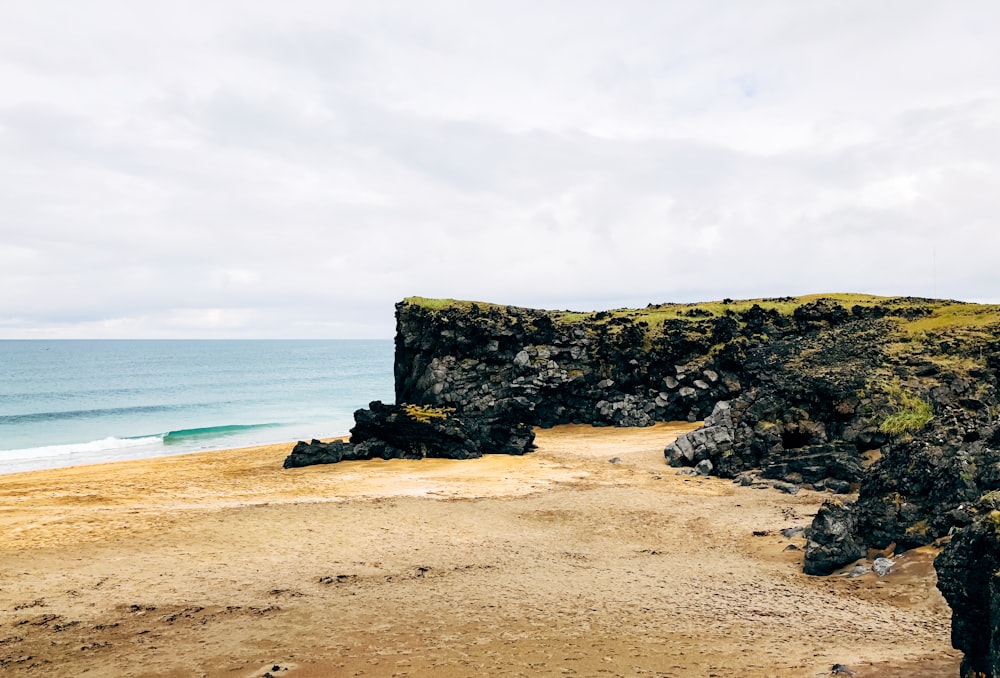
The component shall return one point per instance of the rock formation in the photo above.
(969, 578)
(560, 367)
(416, 432)
(889, 404)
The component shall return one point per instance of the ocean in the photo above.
(70, 402)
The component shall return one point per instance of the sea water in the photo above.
(70, 402)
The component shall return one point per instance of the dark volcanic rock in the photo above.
(599, 370)
(832, 539)
(968, 572)
(813, 395)
(417, 432)
(818, 465)
(318, 452)
(414, 432)
(874, 399)
(912, 496)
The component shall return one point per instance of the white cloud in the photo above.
(241, 169)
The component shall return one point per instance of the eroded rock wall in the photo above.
(593, 369)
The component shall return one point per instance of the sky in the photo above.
(240, 169)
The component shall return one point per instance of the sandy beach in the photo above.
(556, 563)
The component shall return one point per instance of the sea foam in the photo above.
(70, 450)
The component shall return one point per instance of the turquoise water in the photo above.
(64, 403)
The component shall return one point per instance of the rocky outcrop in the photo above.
(833, 539)
(968, 572)
(415, 432)
(800, 417)
(920, 489)
(559, 368)
(893, 399)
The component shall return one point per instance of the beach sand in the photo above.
(556, 563)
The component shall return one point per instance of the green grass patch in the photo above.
(910, 413)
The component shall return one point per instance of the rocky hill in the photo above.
(889, 403)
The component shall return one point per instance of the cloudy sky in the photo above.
(292, 169)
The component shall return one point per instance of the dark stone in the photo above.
(835, 485)
(814, 463)
(967, 571)
(317, 452)
(415, 432)
(832, 539)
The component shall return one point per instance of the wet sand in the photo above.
(556, 563)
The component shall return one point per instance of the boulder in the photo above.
(318, 452)
(832, 539)
(415, 432)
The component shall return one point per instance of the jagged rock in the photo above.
(835, 485)
(318, 452)
(703, 467)
(414, 432)
(832, 539)
(967, 572)
(917, 491)
(816, 463)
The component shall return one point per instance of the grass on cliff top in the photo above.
(945, 314)
(784, 305)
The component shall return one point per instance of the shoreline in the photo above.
(137, 448)
(223, 563)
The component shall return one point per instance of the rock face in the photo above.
(969, 578)
(596, 368)
(415, 432)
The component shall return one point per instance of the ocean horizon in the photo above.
(66, 402)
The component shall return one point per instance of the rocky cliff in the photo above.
(890, 403)
(552, 368)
